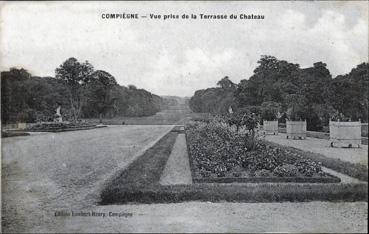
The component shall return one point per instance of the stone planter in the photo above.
(345, 133)
(22, 126)
(296, 129)
(270, 127)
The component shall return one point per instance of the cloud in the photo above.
(197, 69)
(177, 57)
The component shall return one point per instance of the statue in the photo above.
(58, 116)
(230, 110)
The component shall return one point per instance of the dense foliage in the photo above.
(214, 100)
(348, 94)
(309, 94)
(218, 151)
(270, 110)
(82, 92)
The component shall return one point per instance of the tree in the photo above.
(214, 100)
(272, 80)
(132, 87)
(27, 98)
(296, 107)
(270, 110)
(315, 82)
(20, 74)
(76, 75)
(13, 95)
(80, 90)
(99, 92)
(348, 93)
(226, 83)
(247, 93)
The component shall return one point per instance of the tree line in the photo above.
(298, 93)
(78, 88)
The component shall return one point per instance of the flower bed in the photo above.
(219, 154)
(59, 127)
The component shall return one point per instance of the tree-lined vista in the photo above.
(309, 94)
(277, 86)
(82, 91)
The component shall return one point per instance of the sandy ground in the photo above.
(177, 170)
(48, 173)
(51, 171)
(322, 146)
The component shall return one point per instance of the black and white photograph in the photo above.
(184, 116)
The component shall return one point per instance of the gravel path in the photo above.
(47, 172)
(177, 170)
(227, 217)
(322, 146)
(345, 179)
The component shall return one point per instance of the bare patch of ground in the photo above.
(227, 217)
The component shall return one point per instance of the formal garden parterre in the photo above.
(229, 165)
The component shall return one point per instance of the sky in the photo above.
(179, 56)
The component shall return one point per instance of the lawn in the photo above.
(164, 117)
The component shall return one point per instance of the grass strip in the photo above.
(191, 159)
(146, 169)
(267, 192)
(355, 170)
